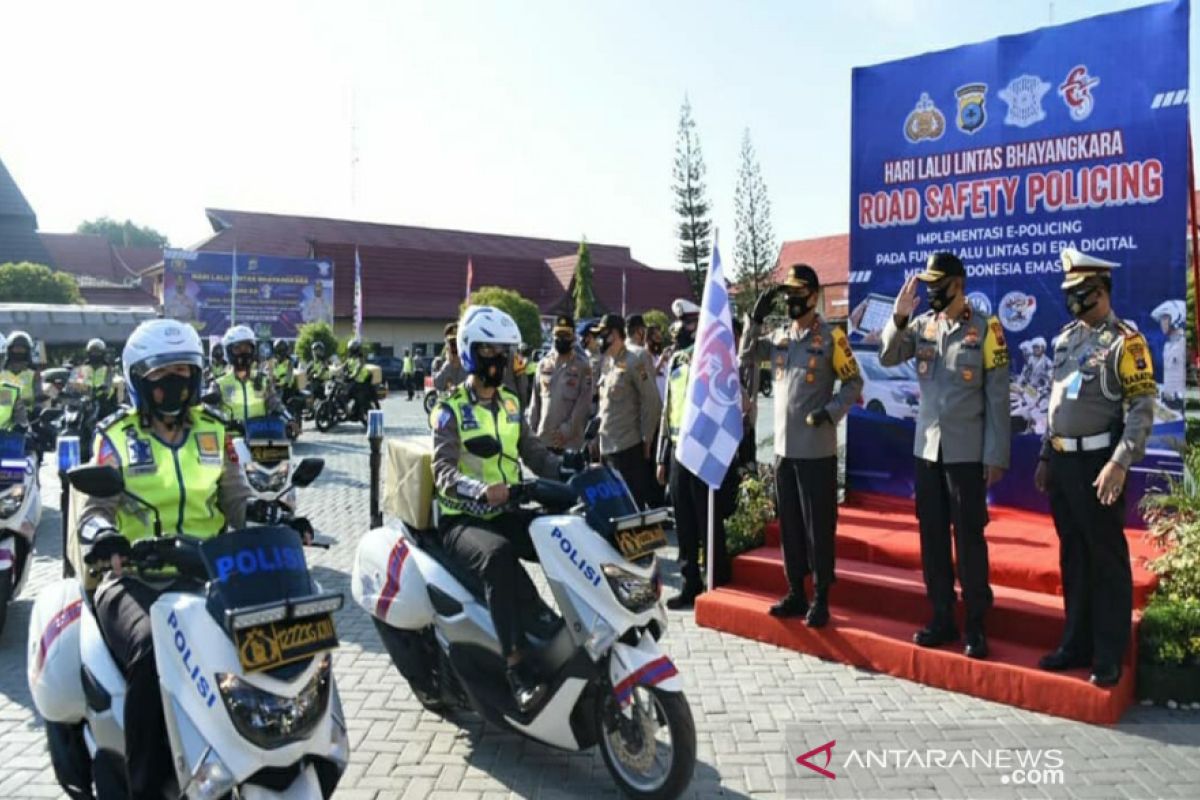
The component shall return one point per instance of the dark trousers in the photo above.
(363, 396)
(954, 495)
(491, 549)
(1093, 555)
(689, 495)
(410, 383)
(123, 613)
(635, 469)
(807, 489)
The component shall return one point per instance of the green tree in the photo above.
(691, 205)
(36, 283)
(655, 317)
(585, 297)
(316, 332)
(524, 312)
(123, 234)
(754, 237)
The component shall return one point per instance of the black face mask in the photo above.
(491, 370)
(218, 358)
(243, 360)
(176, 391)
(605, 342)
(940, 297)
(655, 346)
(1081, 300)
(17, 359)
(563, 346)
(798, 306)
(95, 359)
(685, 338)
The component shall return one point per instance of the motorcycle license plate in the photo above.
(267, 646)
(638, 542)
(269, 453)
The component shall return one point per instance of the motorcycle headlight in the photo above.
(266, 480)
(211, 780)
(633, 591)
(270, 721)
(11, 500)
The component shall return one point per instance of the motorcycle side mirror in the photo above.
(483, 446)
(307, 471)
(97, 480)
(211, 398)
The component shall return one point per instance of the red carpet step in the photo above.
(879, 601)
(885, 645)
(1022, 545)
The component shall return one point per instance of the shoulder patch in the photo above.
(443, 416)
(213, 414)
(114, 418)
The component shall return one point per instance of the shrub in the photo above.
(1170, 631)
(1173, 520)
(755, 508)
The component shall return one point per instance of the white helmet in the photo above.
(161, 343)
(96, 346)
(1038, 341)
(20, 338)
(485, 325)
(1026, 347)
(1175, 309)
(237, 335)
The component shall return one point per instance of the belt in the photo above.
(1081, 444)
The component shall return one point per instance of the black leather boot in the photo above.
(940, 630)
(792, 605)
(818, 613)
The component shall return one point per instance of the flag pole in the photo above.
(233, 291)
(1194, 227)
(708, 544)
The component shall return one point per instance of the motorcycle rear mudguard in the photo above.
(644, 665)
(53, 654)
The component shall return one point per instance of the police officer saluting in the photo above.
(1101, 411)
(807, 359)
(629, 409)
(962, 439)
(562, 394)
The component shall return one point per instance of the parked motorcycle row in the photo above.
(244, 641)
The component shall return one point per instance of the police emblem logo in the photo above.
(1024, 98)
(972, 113)
(141, 454)
(971, 337)
(810, 378)
(922, 367)
(1076, 92)
(968, 374)
(258, 649)
(925, 121)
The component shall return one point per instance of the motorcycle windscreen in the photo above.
(267, 439)
(606, 496)
(12, 458)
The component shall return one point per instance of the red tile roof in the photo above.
(117, 296)
(829, 256)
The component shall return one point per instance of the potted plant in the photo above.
(1169, 634)
(755, 508)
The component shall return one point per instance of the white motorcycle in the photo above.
(264, 451)
(242, 645)
(607, 680)
(20, 508)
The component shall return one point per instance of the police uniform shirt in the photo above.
(629, 402)
(1097, 371)
(962, 369)
(450, 375)
(805, 365)
(450, 481)
(562, 399)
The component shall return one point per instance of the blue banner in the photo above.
(1005, 152)
(275, 296)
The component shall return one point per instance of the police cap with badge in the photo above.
(610, 322)
(942, 265)
(564, 325)
(801, 279)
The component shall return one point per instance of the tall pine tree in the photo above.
(691, 204)
(754, 237)
(585, 297)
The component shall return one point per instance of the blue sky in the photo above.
(552, 119)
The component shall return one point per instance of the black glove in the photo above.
(762, 306)
(817, 418)
(573, 461)
(302, 526)
(108, 543)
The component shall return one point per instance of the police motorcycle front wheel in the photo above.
(651, 753)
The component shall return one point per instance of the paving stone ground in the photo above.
(756, 707)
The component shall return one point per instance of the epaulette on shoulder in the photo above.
(213, 414)
(112, 419)
(1127, 330)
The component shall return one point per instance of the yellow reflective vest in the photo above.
(241, 399)
(476, 421)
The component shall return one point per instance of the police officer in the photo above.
(629, 410)
(283, 372)
(18, 369)
(245, 391)
(478, 435)
(97, 377)
(217, 366)
(589, 343)
(562, 396)
(807, 358)
(452, 373)
(13, 414)
(355, 370)
(171, 453)
(1101, 412)
(962, 439)
(635, 325)
(689, 494)
(409, 373)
